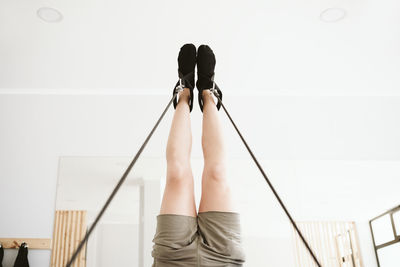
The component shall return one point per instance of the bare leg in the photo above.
(179, 189)
(216, 195)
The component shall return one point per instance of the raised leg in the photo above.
(216, 194)
(179, 189)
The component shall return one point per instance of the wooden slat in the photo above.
(33, 243)
(65, 241)
(69, 230)
(319, 251)
(63, 221)
(78, 235)
(75, 235)
(296, 247)
(82, 255)
(339, 245)
(324, 244)
(56, 227)
(59, 238)
(56, 240)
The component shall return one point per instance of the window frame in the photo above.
(396, 234)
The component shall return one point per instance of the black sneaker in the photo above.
(186, 65)
(205, 73)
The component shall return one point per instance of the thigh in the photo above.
(216, 192)
(220, 238)
(178, 195)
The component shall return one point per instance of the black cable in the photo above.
(121, 181)
(269, 183)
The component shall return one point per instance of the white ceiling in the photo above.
(276, 46)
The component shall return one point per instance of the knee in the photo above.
(215, 173)
(178, 173)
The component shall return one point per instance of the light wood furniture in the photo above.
(69, 230)
(334, 243)
(33, 243)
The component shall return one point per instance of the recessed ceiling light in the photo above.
(332, 14)
(49, 14)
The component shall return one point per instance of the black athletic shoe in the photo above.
(22, 257)
(186, 65)
(205, 73)
(1, 255)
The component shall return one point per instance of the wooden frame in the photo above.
(396, 236)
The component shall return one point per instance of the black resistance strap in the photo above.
(215, 92)
(121, 181)
(124, 176)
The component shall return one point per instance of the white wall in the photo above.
(355, 181)
(115, 245)
(85, 182)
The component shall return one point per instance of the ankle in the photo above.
(184, 95)
(208, 97)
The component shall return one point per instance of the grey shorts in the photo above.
(212, 239)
